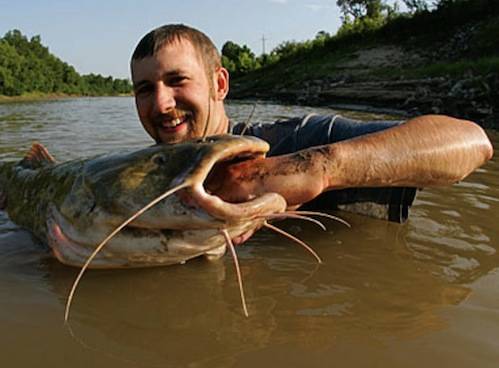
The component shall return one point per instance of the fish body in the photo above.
(72, 206)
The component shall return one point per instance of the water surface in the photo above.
(420, 294)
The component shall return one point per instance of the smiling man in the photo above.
(367, 167)
(179, 85)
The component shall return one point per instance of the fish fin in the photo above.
(215, 254)
(38, 156)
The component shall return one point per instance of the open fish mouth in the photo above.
(245, 149)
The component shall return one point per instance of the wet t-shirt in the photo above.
(287, 136)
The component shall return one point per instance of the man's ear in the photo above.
(221, 83)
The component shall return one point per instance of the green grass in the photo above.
(482, 66)
(293, 73)
(32, 96)
(40, 96)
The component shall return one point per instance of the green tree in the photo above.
(267, 59)
(7, 82)
(364, 16)
(11, 64)
(287, 49)
(362, 8)
(238, 59)
(228, 64)
(26, 65)
(416, 6)
(231, 50)
(445, 3)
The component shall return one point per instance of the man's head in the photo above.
(179, 84)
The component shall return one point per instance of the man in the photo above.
(180, 87)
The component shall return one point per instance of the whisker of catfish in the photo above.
(110, 236)
(295, 239)
(248, 120)
(205, 129)
(286, 215)
(238, 270)
(321, 214)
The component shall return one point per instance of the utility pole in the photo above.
(263, 44)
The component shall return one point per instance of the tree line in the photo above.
(361, 20)
(27, 66)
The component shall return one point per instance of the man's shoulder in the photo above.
(297, 133)
(290, 134)
(284, 123)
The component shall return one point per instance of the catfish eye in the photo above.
(159, 159)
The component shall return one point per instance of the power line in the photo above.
(263, 44)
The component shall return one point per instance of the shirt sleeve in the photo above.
(286, 136)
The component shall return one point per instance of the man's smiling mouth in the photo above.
(171, 122)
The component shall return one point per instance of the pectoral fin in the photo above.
(38, 156)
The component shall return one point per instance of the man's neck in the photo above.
(224, 125)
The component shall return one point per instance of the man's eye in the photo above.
(143, 90)
(177, 80)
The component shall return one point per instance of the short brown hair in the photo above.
(161, 36)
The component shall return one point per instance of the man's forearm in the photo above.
(430, 150)
(425, 151)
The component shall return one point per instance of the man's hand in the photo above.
(296, 177)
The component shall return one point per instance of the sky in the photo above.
(99, 36)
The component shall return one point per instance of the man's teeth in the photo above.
(172, 123)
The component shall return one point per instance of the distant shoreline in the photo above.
(33, 97)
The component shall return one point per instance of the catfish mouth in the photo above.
(212, 168)
(217, 173)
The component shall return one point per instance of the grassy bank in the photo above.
(38, 96)
(33, 96)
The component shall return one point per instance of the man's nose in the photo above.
(164, 99)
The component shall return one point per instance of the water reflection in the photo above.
(192, 313)
(382, 284)
(70, 128)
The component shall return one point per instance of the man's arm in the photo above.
(430, 150)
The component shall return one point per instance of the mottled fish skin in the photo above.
(72, 206)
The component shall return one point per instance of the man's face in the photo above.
(175, 99)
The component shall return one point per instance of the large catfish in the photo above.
(73, 206)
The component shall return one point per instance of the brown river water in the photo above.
(425, 293)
